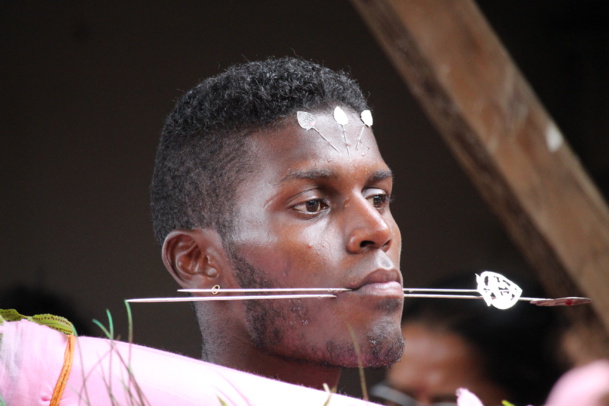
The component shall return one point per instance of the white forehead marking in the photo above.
(366, 117)
(340, 116)
(342, 119)
(307, 121)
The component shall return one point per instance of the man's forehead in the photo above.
(326, 138)
(287, 156)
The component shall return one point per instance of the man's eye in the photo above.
(379, 200)
(311, 206)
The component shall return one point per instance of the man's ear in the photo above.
(195, 258)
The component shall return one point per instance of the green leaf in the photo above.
(58, 323)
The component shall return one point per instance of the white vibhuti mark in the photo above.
(366, 117)
(341, 118)
(307, 121)
(497, 290)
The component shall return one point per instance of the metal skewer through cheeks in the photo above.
(495, 289)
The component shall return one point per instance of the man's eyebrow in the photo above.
(311, 174)
(375, 176)
(381, 175)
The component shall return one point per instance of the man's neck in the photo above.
(233, 348)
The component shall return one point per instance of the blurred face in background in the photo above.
(434, 365)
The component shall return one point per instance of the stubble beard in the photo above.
(268, 322)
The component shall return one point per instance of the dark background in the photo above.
(85, 87)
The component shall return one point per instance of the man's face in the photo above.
(312, 214)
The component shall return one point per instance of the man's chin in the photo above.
(383, 354)
(373, 352)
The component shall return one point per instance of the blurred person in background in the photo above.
(496, 354)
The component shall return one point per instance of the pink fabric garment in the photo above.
(31, 358)
(583, 386)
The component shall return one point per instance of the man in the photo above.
(268, 176)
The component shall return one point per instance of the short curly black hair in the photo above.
(201, 158)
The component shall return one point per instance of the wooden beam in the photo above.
(454, 64)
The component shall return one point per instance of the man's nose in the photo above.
(367, 229)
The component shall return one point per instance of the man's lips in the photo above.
(384, 289)
(382, 282)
